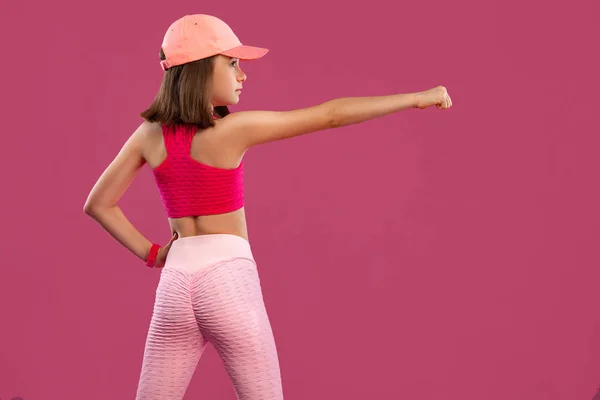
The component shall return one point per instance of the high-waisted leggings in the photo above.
(209, 291)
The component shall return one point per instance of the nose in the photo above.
(241, 76)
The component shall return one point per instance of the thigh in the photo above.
(231, 313)
(174, 342)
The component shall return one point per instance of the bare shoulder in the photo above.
(146, 138)
(250, 128)
(149, 131)
(143, 133)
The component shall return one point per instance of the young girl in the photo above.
(209, 289)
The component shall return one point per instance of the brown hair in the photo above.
(184, 96)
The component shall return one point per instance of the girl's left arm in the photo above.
(101, 203)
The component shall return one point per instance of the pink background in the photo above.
(424, 255)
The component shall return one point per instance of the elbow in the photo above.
(91, 209)
(333, 117)
(88, 208)
(335, 123)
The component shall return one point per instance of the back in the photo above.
(200, 179)
(224, 145)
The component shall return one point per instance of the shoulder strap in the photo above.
(178, 138)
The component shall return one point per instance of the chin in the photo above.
(224, 104)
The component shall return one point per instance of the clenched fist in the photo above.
(437, 96)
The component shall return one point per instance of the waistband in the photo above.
(196, 252)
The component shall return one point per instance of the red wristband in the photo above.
(151, 259)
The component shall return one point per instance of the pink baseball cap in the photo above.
(198, 36)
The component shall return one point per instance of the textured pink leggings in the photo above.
(209, 291)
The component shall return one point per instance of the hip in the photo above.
(193, 253)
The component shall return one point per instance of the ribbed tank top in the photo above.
(190, 188)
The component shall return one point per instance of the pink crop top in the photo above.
(188, 187)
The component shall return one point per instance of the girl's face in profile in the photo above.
(227, 81)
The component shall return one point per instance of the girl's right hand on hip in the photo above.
(161, 257)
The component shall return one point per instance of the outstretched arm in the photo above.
(249, 128)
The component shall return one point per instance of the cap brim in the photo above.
(246, 52)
